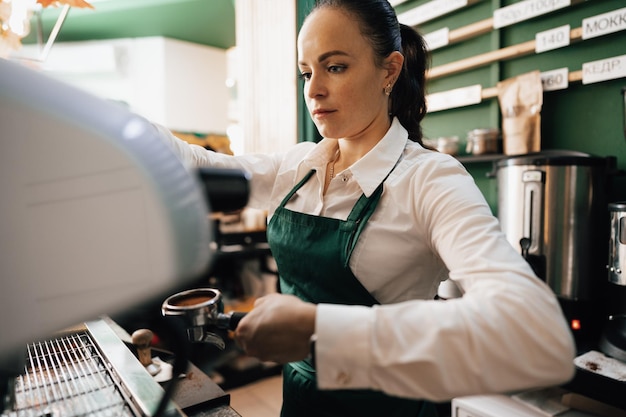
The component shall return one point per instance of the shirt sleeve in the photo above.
(262, 167)
(506, 332)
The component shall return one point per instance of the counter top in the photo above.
(197, 391)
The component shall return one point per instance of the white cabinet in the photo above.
(178, 84)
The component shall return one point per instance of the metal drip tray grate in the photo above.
(88, 372)
(68, 377)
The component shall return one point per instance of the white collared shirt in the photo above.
(506, 333)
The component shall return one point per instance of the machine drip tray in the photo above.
(600, 377)
(603, 365)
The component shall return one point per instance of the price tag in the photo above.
(429, 11)
(604, 69)
(458, 97)
(524, 10)
(555, 80)
(437, 39)
(604, 23)
(552, 39)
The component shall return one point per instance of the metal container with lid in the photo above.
(483, 141)
(552, 207)
(444, 144)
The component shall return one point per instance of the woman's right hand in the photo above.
(278, 329)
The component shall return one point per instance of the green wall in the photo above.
(306, 129)
(586, 118)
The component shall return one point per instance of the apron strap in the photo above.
(361, 213)
(296, 188)
(358, 218)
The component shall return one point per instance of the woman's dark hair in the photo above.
(379, 24)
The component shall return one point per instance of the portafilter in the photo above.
(202, 309)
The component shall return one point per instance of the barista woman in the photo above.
(365, 225)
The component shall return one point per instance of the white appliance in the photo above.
(98, 213)
(507, 406)
(490, 406)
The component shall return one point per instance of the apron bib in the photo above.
(312, 254)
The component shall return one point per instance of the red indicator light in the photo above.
(576, 324)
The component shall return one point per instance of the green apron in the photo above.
(312, 254)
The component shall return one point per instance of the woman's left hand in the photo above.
(278, 329)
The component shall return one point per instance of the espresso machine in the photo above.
(613, 340)
(99, 216)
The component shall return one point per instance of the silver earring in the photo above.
(387, 89)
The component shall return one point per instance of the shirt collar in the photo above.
(371, 169)
(318, 157)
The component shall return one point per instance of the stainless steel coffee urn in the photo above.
(552, 208)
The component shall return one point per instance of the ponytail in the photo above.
(408, 98)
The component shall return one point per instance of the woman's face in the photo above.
(343, 87)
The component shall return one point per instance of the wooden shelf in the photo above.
(468, 159)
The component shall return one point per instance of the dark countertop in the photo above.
(197, 393)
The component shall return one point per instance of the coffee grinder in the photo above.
(613, 339)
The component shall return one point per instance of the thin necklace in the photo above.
(332, 166)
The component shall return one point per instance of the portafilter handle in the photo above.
(229, 321)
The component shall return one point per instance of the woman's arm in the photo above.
(506, 333)
(262, 167)
(195, 156)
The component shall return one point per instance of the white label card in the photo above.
(525, 10)
(437, 39)
(552, 39)
(555, 80)
(604, 69)
(458, 97)
(429, 11)
(604, 23)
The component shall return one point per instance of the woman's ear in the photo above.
(393, 65)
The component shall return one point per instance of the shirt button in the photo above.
(343, 378)
(344, 178)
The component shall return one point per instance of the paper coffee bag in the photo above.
(520, 101)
